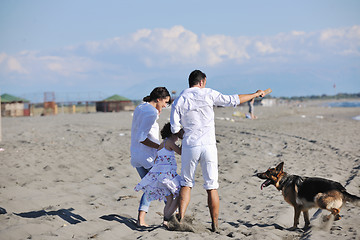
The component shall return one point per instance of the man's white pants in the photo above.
(207, 156)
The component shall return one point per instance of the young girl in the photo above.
(162, 181)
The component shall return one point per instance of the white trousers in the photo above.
(207, 156)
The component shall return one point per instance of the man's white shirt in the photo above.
(193, 110)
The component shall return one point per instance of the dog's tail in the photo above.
(352, 198)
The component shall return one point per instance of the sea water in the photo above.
(346, 104)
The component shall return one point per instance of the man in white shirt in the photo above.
(193, 110)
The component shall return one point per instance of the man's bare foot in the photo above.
(215, 228)
(177, 215)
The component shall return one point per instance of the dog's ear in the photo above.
(280, 167)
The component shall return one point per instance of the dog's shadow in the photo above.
(129, 222)
(275, 225)
(65, 214)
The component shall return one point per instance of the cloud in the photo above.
(176, 40)
(56, 67)
(67, 66)
(264, 48)
(117, 58)
(3, 56)
(15, 66)
(11, 64)
(219, 48)
(342, 41)
(177, 45)
(160, 47)
(298, 33)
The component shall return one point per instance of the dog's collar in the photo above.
(287, 179)
(282, 180)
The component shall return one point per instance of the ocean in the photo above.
(345, 104)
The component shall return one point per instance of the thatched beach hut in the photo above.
(12, 106)
(115, 103)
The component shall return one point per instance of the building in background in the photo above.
(12, 106)
(115, 103)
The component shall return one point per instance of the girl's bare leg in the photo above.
(167, 206)
(170, 207)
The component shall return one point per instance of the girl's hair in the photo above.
(166, 131)
(158, 92)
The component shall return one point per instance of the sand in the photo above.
(69, 176)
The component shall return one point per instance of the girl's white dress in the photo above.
(162, 179)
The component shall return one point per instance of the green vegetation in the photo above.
(323, 97)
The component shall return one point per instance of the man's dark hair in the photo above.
(196, 77)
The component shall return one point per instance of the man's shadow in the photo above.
(129, 222)
(250, 225)
(65, 214)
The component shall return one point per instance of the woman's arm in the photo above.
(149, 143)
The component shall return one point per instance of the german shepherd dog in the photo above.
(304, 193)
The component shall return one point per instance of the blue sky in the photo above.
(89, 49)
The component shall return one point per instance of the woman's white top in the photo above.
(144, 125)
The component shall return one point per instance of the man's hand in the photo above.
(260, 93)
(180, 134)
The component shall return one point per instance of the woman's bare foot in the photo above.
(141, 219)
(138, 224)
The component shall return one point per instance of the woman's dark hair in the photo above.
(166, 131)
(196, 77)
(158, 92)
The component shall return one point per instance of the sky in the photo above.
(90, 50)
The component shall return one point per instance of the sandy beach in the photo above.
(69, 176)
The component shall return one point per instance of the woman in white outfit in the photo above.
(145, 138)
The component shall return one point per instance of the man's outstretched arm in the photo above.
(247, 97)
